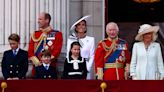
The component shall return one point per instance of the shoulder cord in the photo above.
(109, 49)
(42, 35)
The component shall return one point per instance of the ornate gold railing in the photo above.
(3, 86)
(103, 86)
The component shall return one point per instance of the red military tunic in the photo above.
(53, 42)
(108, 71)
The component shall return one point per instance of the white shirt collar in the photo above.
(16, 50)
(46, 64)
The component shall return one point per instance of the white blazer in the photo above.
(147, 64)
(87, 51)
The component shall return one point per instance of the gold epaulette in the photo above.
(106, 48)
(98, 46)
(46, 30)
(102, 40)
(35, 60)
(110, 48)
(34, 39)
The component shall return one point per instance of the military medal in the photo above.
(123, 58)
(123, 53)
(120, 58)
(46, 47)
(124, 47)
(49, 43)
(50, 38)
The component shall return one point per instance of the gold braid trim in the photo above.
(36, 40)
(109, 49)
(35, 60)
(45, 31)
(106, 48)
(40, 41)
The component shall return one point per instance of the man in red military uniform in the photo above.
(112, 57)
(45, 38)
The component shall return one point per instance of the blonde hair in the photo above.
(154, 37)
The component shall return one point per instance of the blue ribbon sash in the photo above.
(112, 58)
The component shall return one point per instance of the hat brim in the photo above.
(83, 18)
(154, 29)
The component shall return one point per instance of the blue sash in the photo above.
(51, 34)
(112, 58)
(39, 48)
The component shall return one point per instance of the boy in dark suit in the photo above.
(45, 71)
(15, 61)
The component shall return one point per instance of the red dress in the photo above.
(112, 70)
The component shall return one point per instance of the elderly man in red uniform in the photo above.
(45, 38)
(112, 57)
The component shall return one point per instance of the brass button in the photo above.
(11, 65)
(49, 76)
(16, 71)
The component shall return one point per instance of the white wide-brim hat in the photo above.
(81, 19)
(146, 28)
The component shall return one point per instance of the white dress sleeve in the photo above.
(91, 55)
(160, 61)
(133, 63)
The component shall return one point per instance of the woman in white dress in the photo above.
(87, 44)
(147, 61)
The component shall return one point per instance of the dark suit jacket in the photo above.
(15, 66)
(42, 73)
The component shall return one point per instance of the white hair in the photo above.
(113, 24)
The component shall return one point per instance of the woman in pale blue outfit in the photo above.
(147, 61)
